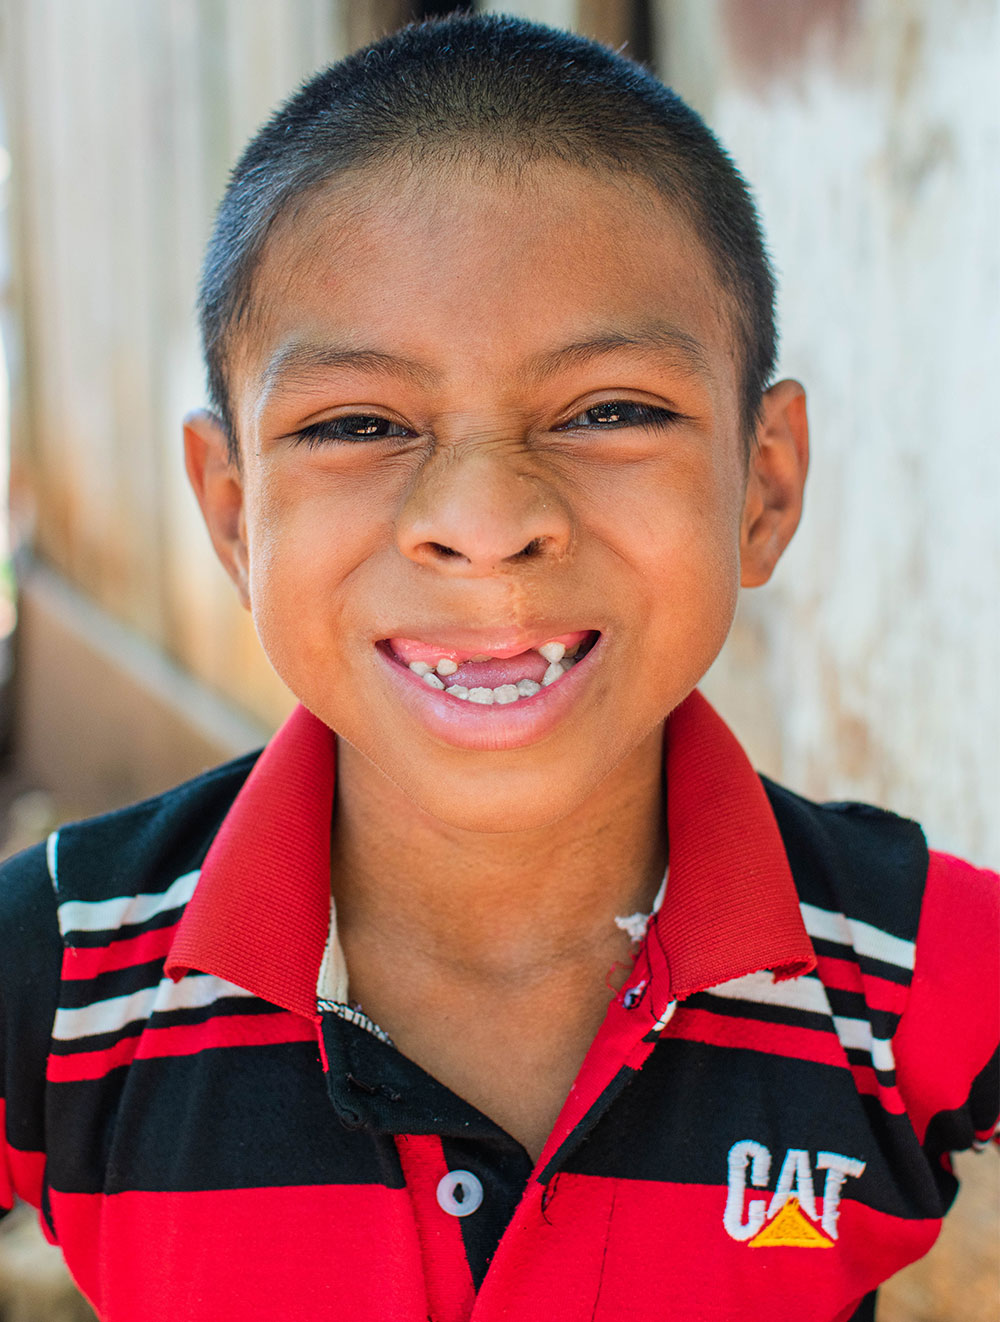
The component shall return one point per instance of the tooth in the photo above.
(572, 651)
(506, 693)
(552, 651)
(457, 690)
(485, 696)
(432, 680)
(554, 672)
(420, 667)
(481, 657)
(446, 666)
(527, 687)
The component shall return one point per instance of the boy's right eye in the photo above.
(351, 427)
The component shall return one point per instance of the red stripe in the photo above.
(620, 1249)
(450, 1290)
(879, 993)
(755, 1035)
(866, 1082)
(234, 1255)
(238, 1030)
(21, 1172)
(950, 1028)
(80, 962)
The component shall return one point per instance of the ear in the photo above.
(776, 477)
(218, 486)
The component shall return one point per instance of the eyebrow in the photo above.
(650, 337)
(299, 360)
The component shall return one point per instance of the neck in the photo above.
(522, 904)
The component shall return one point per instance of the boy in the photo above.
(544, 1004)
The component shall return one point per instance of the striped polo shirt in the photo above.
(213, 1132)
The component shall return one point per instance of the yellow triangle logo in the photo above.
(791, 1228)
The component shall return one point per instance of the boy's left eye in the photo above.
(611, 413)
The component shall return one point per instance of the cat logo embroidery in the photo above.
(790, 1218)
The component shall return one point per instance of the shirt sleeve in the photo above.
(30, 963)
(946, 1046)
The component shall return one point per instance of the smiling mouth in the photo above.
(490, 679)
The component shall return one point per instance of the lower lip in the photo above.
(499, 726)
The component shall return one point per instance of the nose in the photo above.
(473, 514)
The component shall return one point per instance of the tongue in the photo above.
(410, 649)
(491, 674)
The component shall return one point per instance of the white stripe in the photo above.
(665, 1017)
(806, 993)
(862, 937)
(856, 1034)
(193, 992)
(51, 845)
(109, 915)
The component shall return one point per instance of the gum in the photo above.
(411, 649)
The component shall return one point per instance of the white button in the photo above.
(459, 1193)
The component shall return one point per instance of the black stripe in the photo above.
(759, 1012)
(224, 1008)
(30, 956)
(585, 1126)
(854, 859)
(955, 1130)
(876, 968)
(851, 1005)
(859, 1056)
(127, 931)
(79, 992)
(503, 1168)
(246, 1118)
(691, 1102)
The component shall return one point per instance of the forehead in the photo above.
(485, 274)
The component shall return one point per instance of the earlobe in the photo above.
(217, 484)
(776, 479)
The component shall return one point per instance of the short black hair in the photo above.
(508, 91)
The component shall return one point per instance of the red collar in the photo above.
(260, 914)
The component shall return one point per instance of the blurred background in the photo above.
(869, 668)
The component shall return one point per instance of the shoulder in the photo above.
(946, 1046)
(132, 851)
(141, 848)
(923, 929)
(30, 948)
(855, 860)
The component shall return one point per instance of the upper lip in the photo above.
(498, 643)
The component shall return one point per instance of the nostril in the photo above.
(439, 549)
(532, 548)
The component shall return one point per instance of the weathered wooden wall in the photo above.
(123, 119)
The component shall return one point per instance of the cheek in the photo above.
(304, 546)
(682, 535)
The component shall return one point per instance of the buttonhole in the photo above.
(369, 1088)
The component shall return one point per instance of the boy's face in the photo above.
(522, 403)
